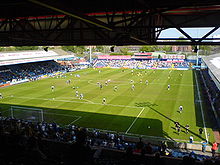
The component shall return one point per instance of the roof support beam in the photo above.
(178, 28)
(53, 6)
(56, 6)
(207, 34)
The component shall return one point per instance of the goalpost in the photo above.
(26, 113)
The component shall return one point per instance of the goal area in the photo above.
(39, 115)
(27, 113)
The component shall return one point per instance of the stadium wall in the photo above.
(217, 83)
(19, 82)
(147, 68)
(4, 85)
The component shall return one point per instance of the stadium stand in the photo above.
(142, 61)
(212, 101)
(212, 90)
(141, 64)
(24, 143)
(12, 73)
(24, 65)
(211, 85)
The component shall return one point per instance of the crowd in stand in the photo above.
(141, 64)
(211, 92)
(28, 71)
(35, 70)
(32, 142)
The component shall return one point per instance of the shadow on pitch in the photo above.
(152, 106)
(110, 122)
(210, 119)
(105, 122)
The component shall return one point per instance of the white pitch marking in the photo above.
(88, 101)
(203, 119)
(71, 101)
(75, 120)
(75, 99)
(134, 121)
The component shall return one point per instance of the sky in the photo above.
(193, 32)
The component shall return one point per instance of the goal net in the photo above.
(27, 114)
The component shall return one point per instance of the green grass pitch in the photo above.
(148, 110)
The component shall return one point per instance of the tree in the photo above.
(68, 48)
(8, 48)
(124, 50)
(181, 39)
(206, 49)
(79, 50)
(99, 48)
(167, 48)
(149, 48)
(26, 48)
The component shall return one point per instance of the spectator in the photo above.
(187, 160)
(139, 146)
(97, 153)
(204, 144)
(80, 139)
(140, 64)
(158, 160)
(29, 71)
(149, 149)
(214, 148)
(163, 148)
(34, 151)
(127, 158)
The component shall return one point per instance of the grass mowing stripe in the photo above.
(201, 107)
(134, 121)
(114, 105)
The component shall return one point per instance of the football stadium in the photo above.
(96, 84)
(133, 97)
(139, 100)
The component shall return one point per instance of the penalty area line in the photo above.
(74, 99)
(134, 121)
(75, 120)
